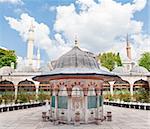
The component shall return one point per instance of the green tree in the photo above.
(110, 60)
(145, 60)
(118, 60)
(7, 57)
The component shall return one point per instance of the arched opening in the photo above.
(141, 91)
(6, 86)
(77, 102)
(26, 91)
(44, 91)
(26, 86)
(141, 84)
(121, 85)
(45, 88)
(7, 91)
(77, 91)
(106, 88)
(121, 90)
(92, 100)
(91, 91)
(62, 91)
(62, 98)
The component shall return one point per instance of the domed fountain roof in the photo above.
(76, 58)
(77, 61)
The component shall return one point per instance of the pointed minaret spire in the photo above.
(128, 48)
(30, 45)
(76, 41)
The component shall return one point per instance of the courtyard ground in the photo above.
(123, 118)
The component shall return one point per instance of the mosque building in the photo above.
(133, 76)
(76, 78)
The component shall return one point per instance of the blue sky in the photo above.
(44, 11)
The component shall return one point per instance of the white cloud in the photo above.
(139, 4)
(12, 1)
(99, 25)
(41, 34)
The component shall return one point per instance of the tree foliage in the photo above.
(145, 60)
(7, 57)
(110, 60)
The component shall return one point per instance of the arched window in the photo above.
(106, 88)
(91, 91)
(77, 91)
(26, 86)
(141, 84)
(44, 86)
(63, 98)
(6, 86)
(92, 101)
(122, 84)
(62, 91)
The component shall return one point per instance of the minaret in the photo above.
(38, 58)
(76, 42)
(30, 45)
(128, 48)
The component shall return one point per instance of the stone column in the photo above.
(56, 88)
(85, 91)
(85, 109)
(56, 106)
(98, 116)
(69, 92)
(36, 89)
(101, 108)
(97, 89)
(51, 94)
(16, 91)
(131, 89)
(111, 87)
(69, 109)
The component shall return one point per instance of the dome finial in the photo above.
(76, 41)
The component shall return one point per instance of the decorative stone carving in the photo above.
(85, 90)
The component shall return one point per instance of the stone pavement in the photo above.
(123, 118)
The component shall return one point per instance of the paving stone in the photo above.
(122, 118)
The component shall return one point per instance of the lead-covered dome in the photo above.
(45, 69)
(77, 63)
(139, 70)
(6, 70)
(76, 58)
(120, 70)
(25, 69)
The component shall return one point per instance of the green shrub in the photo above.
(142, 95)
(43, 96)
(8, 97)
